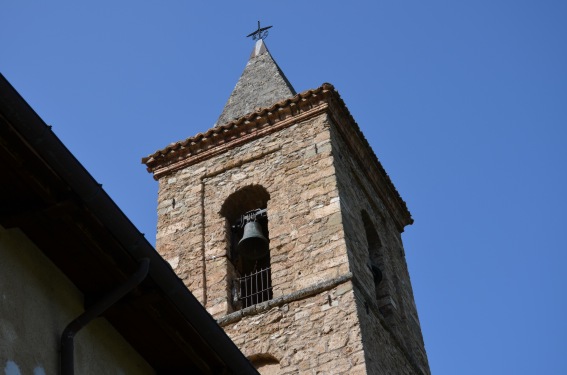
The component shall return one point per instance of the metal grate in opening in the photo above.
(256, 287)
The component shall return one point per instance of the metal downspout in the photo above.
(67, 346)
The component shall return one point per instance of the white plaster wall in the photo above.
(36, 303)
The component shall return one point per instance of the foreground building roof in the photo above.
(48, 195)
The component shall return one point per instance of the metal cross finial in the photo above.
(261, 33)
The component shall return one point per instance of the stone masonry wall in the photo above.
(295, 166)
(397, 311)
(317, 335)
(319, 332)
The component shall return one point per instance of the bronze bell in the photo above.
(253, 244)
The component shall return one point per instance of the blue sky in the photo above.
(465, 104)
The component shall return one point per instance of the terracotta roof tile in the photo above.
(259, 119)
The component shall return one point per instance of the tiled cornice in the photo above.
(301, 107)
(251, 126)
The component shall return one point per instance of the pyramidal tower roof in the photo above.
(261, 84)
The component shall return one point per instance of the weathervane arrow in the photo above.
(261, 33)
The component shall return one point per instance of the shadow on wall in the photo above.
(266, 364)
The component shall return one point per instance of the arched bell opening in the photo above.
(250, 280)
(376, 265)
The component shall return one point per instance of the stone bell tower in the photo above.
(282, 221)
